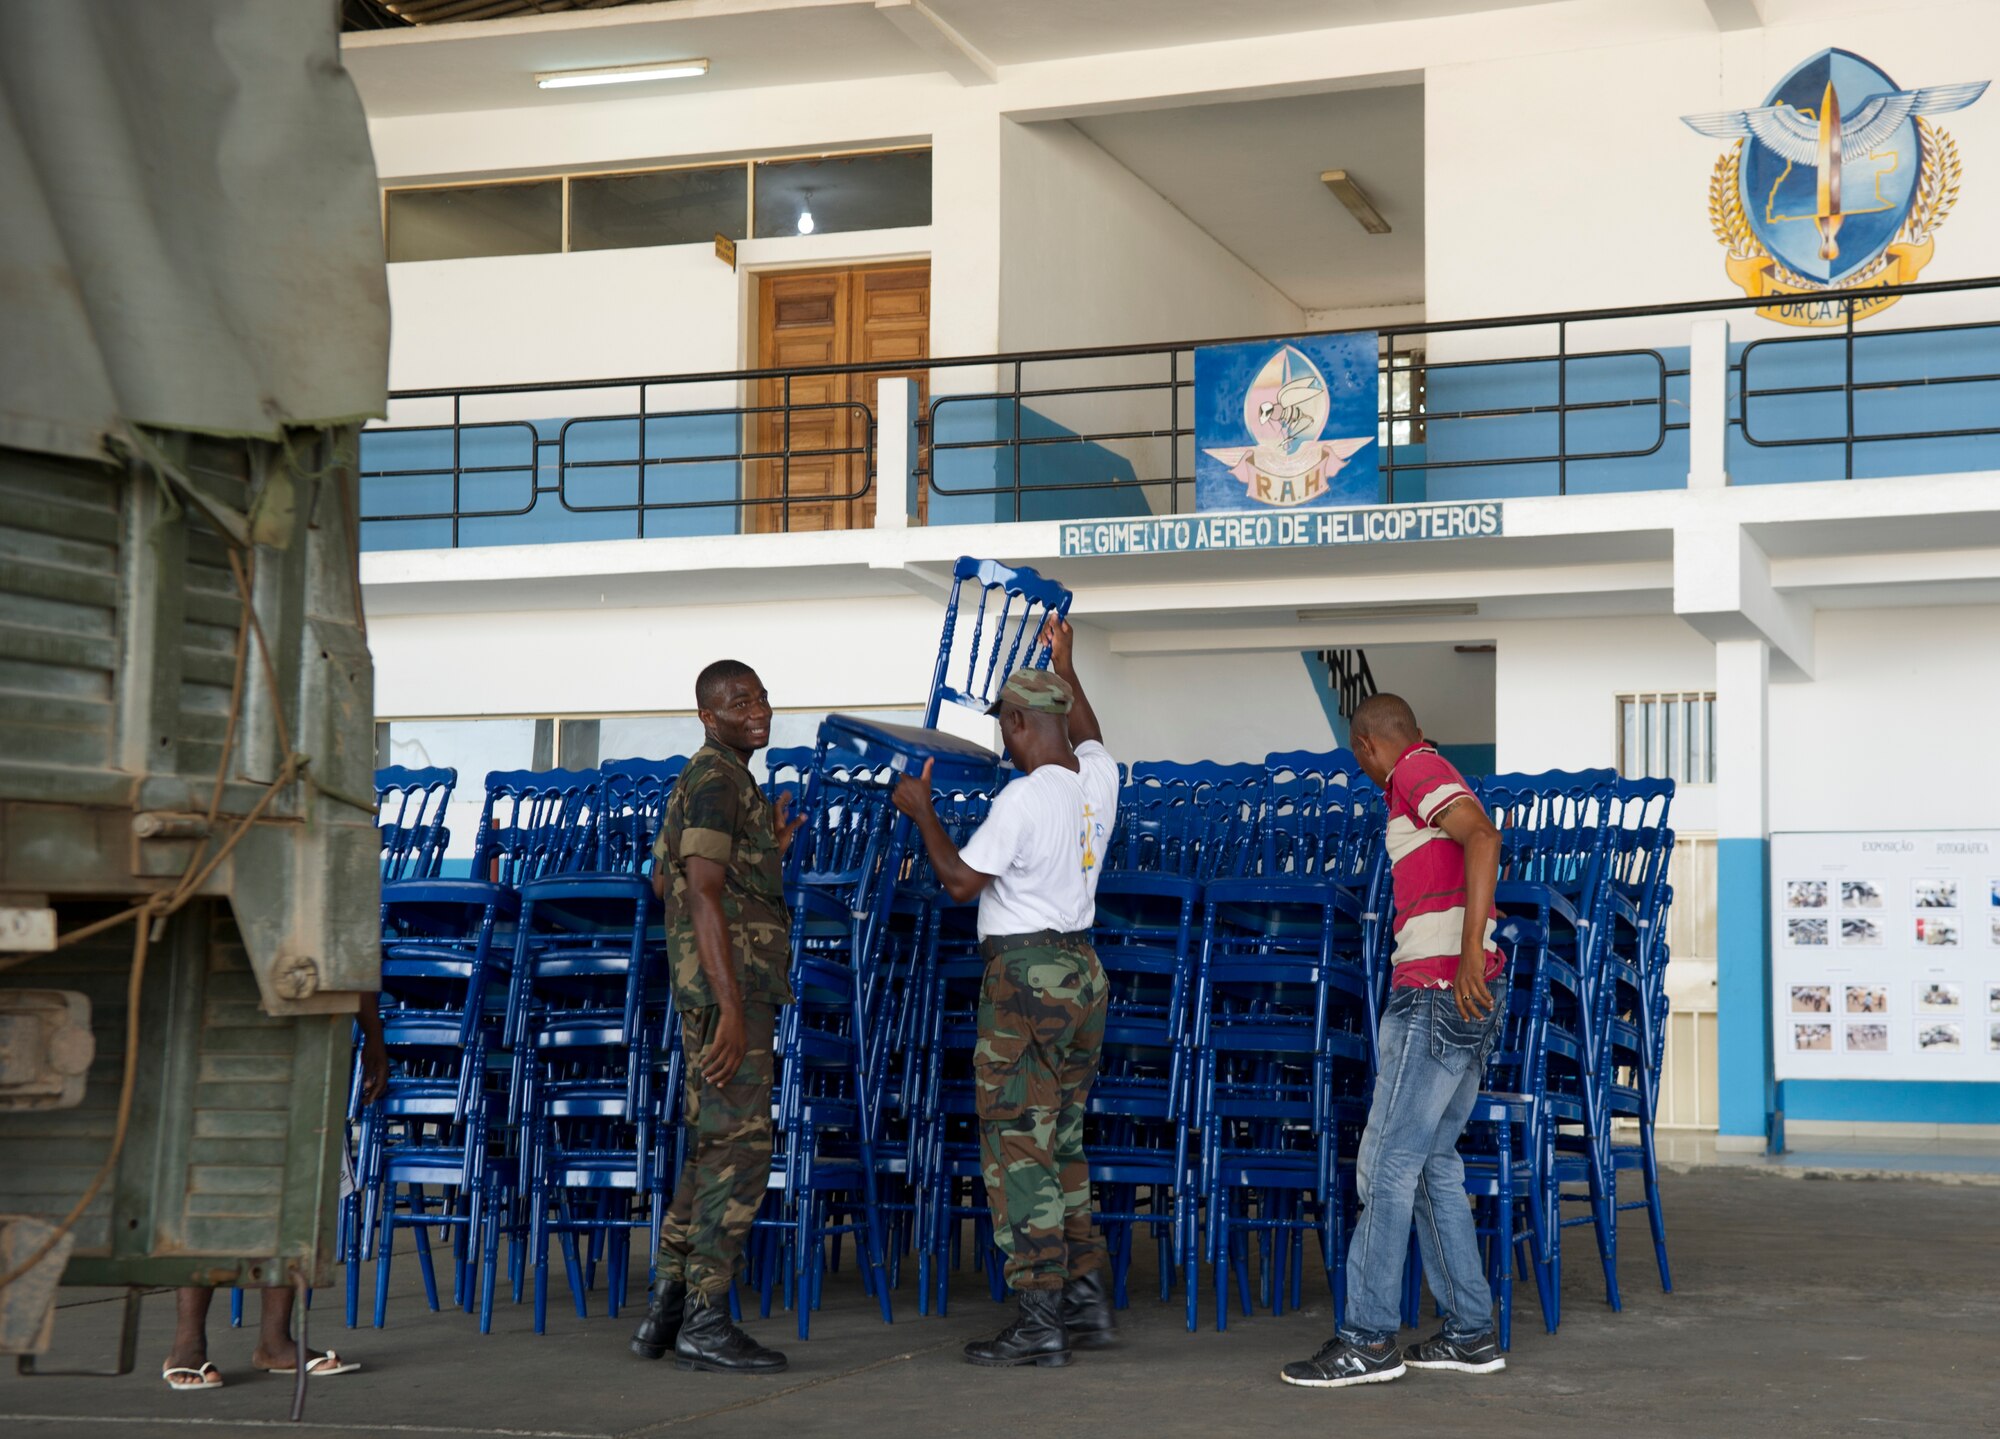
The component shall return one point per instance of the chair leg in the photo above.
(489, 1268)
(387, 1244)
(1655, 1216)
(419, 1211)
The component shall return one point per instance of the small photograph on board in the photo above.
(1993, 892)
(1993, 999)
(1861, 929)
(1812, 999)
(1867, 999)
(1867, 1039)
(1939, 994)
(1938, 1039)
(1806, 933)
(1934, 893)
(1805, 894)
(1937, 931)
(1861, 894)
(1993, 1036)
(1812, 1038)
(1995, 931)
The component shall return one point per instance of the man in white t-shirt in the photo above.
(1034, 867)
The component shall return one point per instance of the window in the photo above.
(844, 192)
(1401, 396)
(1667, 736)
(461, 222)
(678, 205)
(661, 207)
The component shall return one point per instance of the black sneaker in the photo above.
(1479, 1355)
(1339, 1364)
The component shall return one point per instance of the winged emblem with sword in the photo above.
(1881, 178)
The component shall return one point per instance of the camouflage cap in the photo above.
(1043, 691)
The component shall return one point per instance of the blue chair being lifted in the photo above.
(854, 986)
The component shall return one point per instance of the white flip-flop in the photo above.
(206, 1377)
(326, 1366)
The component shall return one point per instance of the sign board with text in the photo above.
(1283, 530)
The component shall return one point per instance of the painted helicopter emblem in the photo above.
(1830, 139)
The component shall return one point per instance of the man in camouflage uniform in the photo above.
(716, 865)
(1034, 866)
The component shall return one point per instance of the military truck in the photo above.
(193, 322)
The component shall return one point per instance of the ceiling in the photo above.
(1022, 32)
(490, 63)
(1248, 173)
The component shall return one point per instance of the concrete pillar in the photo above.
(896, 453)
(1708, 404)
(1743, 892)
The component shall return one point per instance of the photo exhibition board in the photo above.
(1885, 955)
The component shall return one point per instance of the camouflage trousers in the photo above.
(729, 1156)
(1041, 1029)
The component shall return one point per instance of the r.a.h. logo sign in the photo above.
(1835, 184)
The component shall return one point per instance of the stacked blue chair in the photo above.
(441, 1127)
(1554, 869)
(1282, 1032)
(593, 1058)
(1632, 1004)
(1138, 1134)
(409, 807)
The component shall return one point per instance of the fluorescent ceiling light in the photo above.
(1442, 609)
(1356, 199)
(622, 74)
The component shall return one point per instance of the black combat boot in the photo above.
(662, 1324)
(1036, 1336)
(709, 1341)
(1086, 1312)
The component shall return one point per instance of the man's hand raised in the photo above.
(783, 822)
(1060, 638)
(912, 794)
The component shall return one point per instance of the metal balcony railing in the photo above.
(1566, 403)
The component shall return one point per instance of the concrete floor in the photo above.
(1802, 1307)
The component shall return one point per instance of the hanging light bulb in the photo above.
(806, 215)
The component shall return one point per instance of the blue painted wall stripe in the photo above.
(1743, 985)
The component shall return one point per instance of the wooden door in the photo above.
(826, 317)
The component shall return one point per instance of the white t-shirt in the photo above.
(1044, 846)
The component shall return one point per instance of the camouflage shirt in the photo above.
(717, 812)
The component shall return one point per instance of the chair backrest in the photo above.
(1004, 636)
(1220, 834)
(536, 823)
(787, 768)
(409, 814)
(1308, 815)
(631, 808)
(1555, 825)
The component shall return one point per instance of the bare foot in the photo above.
(285, 1358)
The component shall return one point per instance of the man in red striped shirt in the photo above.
(1440, 1025)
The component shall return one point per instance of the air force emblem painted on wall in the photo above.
(1307, 406)
(1836, 183)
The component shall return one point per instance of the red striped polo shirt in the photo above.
(1429, 872)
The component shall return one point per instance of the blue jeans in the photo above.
(1431, 1063)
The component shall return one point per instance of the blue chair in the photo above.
(1013, 604)
(445, 943)
(410, 806)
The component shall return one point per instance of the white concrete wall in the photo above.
(1556, 682)
(1565, 179)
(1092, 255)
(1452, 693)
(857, 653)
(677, 308)
(1895, 731)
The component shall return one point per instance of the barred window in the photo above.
(1667, 736)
